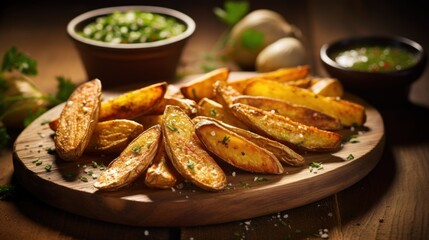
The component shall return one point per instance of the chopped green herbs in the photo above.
(350, 157)
(13, 59)
(83, 179)
(314, 166)
(260, 179)
(48, 167)
(190, 165)
(171, 127)
(133, 26)
(225, 140)
(213, 112)
(137, 149)
(38, 162)
(350, 139)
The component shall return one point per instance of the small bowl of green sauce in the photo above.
(131, 44)
(378, 68)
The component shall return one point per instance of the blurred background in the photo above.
(39, 29)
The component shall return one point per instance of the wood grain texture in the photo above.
(138, 205)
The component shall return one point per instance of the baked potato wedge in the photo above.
(293, 134)
(280, 75)
(132, 104)
(281, 151)
(328, 87)
(161, 174)
(203, 86)
(188, 105)
(213, 109)
(113, 136)
(349, 113)
(236, 150)
(187, 153)
(78, 120)
(132, 162)
(295, 112)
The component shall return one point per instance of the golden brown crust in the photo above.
(78, 120)
(132, 162)
(133, 103)
(282, 152)
(292, 133)
(113, 136)
(295, 112)
(187, 153)
(236, 150)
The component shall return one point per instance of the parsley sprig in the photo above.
(14, 60)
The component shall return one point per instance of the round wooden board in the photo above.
(245, 197)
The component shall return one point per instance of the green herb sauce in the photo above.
(133, 27)
(375, 58)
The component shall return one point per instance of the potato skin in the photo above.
(113, 136)
(78, 120)
(202, 86)
(281, 151)
(187, 153)
(161, 174)
(132, 162)
(132, 104)
(279, 128)
(295, 112)
(237, 150)
(349, 113)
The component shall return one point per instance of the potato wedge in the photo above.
(349, 113)
(113, 136)
(211, 108)
(236, 150)
(132, 104)
(132, 162)
(187, 153)
(161, 174)
(280, 75)
(203, 86)
(188, 105)
(328, 87)
(78, 120)
(282, 129)
(282, 152)
(295, 112)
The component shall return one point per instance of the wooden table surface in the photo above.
(389, 203)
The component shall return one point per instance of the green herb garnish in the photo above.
(172, 128)
(225, 140)
(137, 149)
(315, 166)
(213, 112)
(48, 167)
(350, 157)
(38, 162)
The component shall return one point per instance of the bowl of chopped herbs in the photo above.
(131, 44)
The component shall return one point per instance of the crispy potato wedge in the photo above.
(295, 112)
(211, 108)
(282, 129)
(132, 104)
(202, 86)
(280, 75)
(302, 83)
(161, 174)
(187, 153)
(328, 87)
(349, 113)
(236, 150)
(282, 152)
(132, 162)
(78, 120)
(113, 136)
(188, 105)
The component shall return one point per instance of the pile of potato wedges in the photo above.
(259, 124)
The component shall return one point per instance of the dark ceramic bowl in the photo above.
(377, 87)
(121, 64)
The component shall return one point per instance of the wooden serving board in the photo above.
(248, 195)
